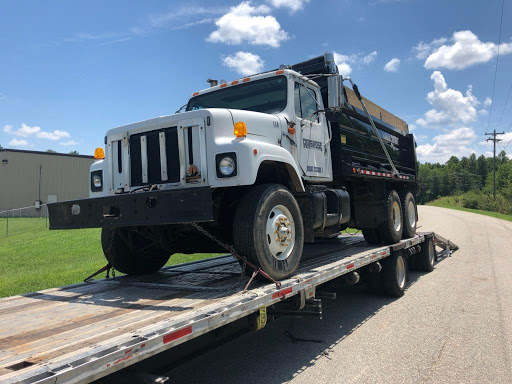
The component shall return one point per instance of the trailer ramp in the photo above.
(82, 332)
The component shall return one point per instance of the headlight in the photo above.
(96, 181)
(227, 166)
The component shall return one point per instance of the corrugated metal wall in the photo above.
(29, 176)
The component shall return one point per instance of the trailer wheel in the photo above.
(390, 230)
(409, 215)
(371, 235)
(131, 253)
(426, 258)
(268, 229)
(394, 273)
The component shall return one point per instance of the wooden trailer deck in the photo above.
(82, 332)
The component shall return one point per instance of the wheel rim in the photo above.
(412, 214)
(280, 232)
(400, 272)
(431, 254)
(397, 216)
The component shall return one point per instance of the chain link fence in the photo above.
(23, 220)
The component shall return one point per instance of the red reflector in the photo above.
(282, 293)
(177, 334)
(350, 266)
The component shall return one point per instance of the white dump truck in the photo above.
(265, 163)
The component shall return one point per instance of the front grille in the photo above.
(150, 167)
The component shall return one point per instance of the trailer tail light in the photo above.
(240, 129)
(99, 153)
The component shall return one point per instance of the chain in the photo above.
(227, 247)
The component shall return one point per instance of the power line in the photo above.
(506, 102)
(496, 68)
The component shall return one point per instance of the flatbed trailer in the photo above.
(83, 332)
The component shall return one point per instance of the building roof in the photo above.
(45, 153)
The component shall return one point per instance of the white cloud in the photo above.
(423, 50)
(35, 131)
(18, 143)
(412, 127)
(245, 23)
(463, 50)
(342, 61)
(369, 58)
(392, 65)
(487, 101)
(345, 63)
(450, 105)
(169, 19)
(68, 143)
(292, 5)
(54, 135)
(245, 63)
(455, 143)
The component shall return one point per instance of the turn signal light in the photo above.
(240, 129)
(99, 154)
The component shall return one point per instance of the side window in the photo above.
(305, 102)
(296, 95)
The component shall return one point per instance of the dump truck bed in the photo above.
(83, 332)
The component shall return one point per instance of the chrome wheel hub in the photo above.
(400, 272)
(397, 216)
(280, 231)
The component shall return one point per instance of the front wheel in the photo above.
(129, 251)
(268, 230)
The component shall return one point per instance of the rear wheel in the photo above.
(268, 230)
(371, 235)
(390, 231)
(128, 251)
(426, 258)
(409, 215)
(394, 273)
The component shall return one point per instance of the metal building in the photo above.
(29, 177)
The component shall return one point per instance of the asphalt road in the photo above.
(453, 325)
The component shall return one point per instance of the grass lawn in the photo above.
(447, 202)
(34, 258)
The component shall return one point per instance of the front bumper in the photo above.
(174, 206)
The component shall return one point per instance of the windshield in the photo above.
(266, 95)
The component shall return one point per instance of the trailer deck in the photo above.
(82, 332)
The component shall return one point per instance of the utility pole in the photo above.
(494, 140)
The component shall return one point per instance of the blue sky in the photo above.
(71, 70)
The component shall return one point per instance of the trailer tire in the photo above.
(409, 216)
(426, 258)
(261, 209)
(390, 231)
(371, 235)
(130, 253)
(394, 274)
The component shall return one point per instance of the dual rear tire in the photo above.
(400, 220)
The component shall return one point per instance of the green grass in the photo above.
(450, 202)
(34, 258)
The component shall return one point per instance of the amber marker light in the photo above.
(245, 80)
(240, 129)
(280, 72)
(99, 154)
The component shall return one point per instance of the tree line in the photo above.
(471, 179)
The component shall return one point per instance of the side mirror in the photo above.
(335, 91)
